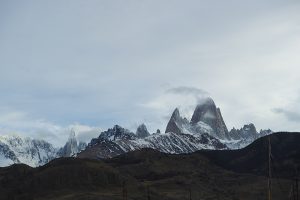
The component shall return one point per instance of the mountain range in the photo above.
(151, 174)
(205, 130)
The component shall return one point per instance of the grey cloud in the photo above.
(187, 90)
(196, 93)
(290, 115)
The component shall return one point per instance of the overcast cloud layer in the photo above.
(91, 64)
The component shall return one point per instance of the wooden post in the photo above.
(297, 191)
(148, 193)
(270, 172)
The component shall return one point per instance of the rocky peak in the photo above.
(204, 111)
(175, 123)
(117, 132)
(250, 128)
(265, 132)
(248, 131)
(71, 148)
(208, 113)
(142, 131)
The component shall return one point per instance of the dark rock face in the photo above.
(176, 122)
(142, 131)
(208, 113)
(100, 148)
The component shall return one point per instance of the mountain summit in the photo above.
(207, 118)
(72, 147)
(176, 123)
(208, 113)
(142, 132)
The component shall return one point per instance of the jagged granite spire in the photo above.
(142, 132)
(175, 123)
(71, 147)
(247, 132)
(208, 113)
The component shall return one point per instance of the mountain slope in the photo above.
(253, 158)
(15, 149)
(33, 152)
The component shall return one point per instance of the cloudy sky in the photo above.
(93, 64)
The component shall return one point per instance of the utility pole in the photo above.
(270, 172)
(296, 182)
(124, 190)
(148, 193)
(190, 193)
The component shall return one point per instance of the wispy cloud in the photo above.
(21, 123)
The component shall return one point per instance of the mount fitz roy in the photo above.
(205, 130)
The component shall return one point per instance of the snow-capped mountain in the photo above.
(205, 130)
(208, 114)
(33, 152)
(118, 140)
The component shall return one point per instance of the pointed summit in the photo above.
(71, 147)
(208, 113)
(204, 109)
(72, 134)
(142, 131)
(176, 122)
(176, 113)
